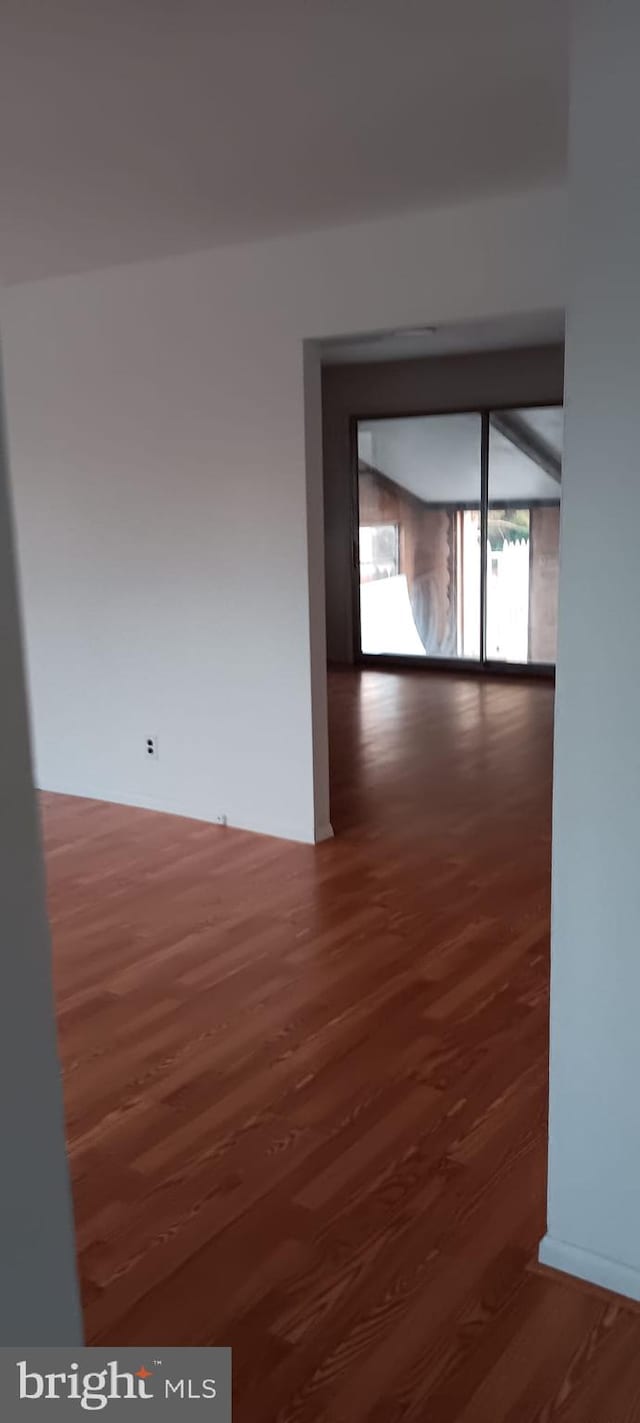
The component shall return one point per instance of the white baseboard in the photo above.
(587, 1265)
(187, 810)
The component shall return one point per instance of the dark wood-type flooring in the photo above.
(306, 1088)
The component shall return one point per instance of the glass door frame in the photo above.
(475, 665)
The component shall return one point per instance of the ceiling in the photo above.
(462, 337)
(132, 129)
(437, 457)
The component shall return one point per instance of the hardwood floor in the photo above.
(306, 1087)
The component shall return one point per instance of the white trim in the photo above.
(185, 811)
(324, 832)
(587, 1265)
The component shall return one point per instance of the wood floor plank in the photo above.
(306, 1086)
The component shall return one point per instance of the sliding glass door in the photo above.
(523, 535)
(419, 536)
(458, 536)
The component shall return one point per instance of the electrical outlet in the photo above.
(221, 819)
(151, 745)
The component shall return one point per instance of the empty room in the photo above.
(318, 806)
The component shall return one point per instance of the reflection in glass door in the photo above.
(419, 536)
(523, 535)
(423, 508)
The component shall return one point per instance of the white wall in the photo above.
(156, 417)
(594, 1162)
(38, 1290)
